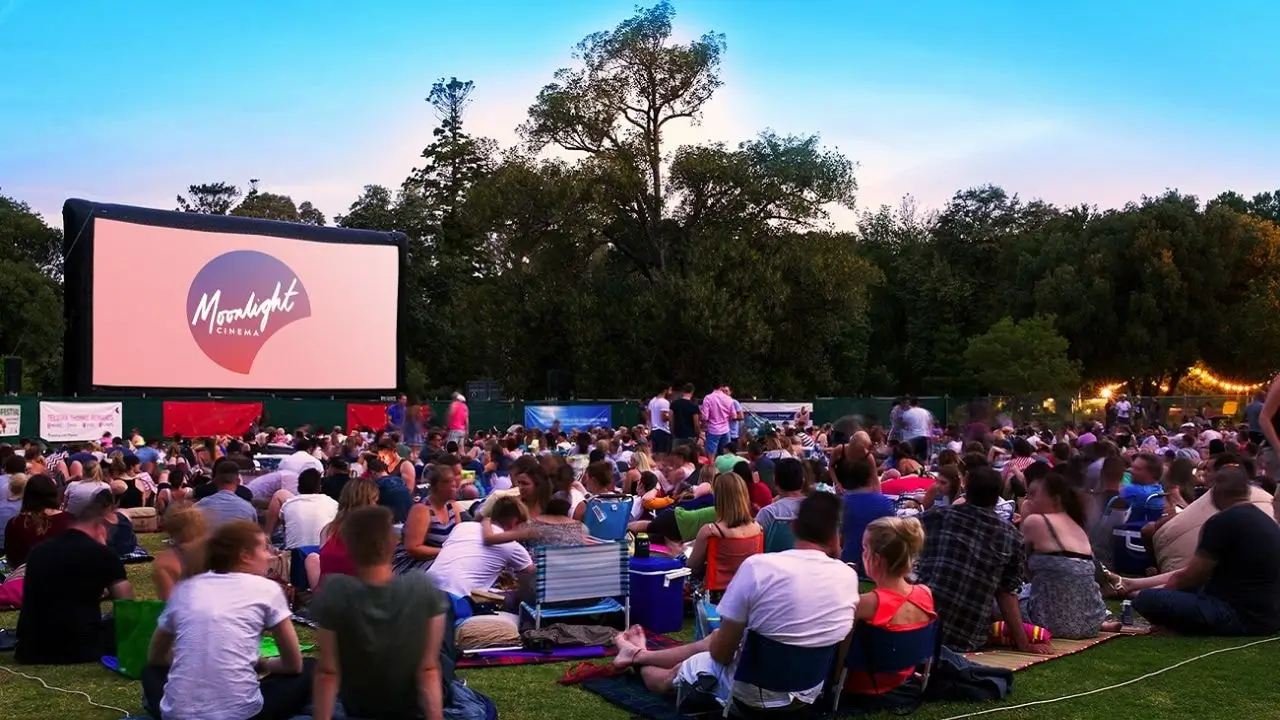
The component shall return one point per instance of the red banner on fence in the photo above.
(206, 418)
(370, 415)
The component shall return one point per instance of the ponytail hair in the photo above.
(897, 541)
(1056, 487)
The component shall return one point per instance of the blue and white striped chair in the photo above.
(581, 572)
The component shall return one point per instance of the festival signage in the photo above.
(10, 420)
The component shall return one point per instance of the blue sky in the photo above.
(1096, 102)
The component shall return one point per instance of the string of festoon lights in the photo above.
(1201, 375)
(1204, 377)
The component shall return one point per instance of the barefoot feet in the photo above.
(630, 644)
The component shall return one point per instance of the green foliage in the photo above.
(1021, 358)
(637, 262)
(209, 198)
(220, 199)
(26, 238)
(31, 323)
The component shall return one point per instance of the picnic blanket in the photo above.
(628, 692)
(503, 657)
(1011, 659)
(267, 649)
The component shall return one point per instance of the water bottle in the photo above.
(642, 545)
(1126, 613)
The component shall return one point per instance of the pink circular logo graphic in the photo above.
(238, 301)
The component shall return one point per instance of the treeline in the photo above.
(624, 262)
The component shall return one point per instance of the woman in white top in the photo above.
(204, 659)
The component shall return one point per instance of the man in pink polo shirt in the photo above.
(717, 412)
(459, 421)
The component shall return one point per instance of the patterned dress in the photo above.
(1063, 595)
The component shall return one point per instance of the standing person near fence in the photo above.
(459, 420)
(659, 418)
(686, 418)
(917, 428)
(718, 412)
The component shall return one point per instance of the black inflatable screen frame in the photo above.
(78, 218)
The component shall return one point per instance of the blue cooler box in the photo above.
(657, 593)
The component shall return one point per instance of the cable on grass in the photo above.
(1112, 687)
(47, 686)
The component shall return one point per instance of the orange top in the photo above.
(725, 556)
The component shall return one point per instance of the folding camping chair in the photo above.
(877, 651)
(607, 516)
(778, 667)
(581, 572)
(706, 617)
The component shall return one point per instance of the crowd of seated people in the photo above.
(999, 536)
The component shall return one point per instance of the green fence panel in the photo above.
(485, 416)
(145, 414)
(320, 414)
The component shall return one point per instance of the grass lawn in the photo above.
(1238, 685)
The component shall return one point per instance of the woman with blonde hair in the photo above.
(81, 490)
(889, 548)
(641, 463)
(187, 530)
(738, 535)
(333, 559)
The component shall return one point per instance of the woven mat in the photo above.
(1011, 659)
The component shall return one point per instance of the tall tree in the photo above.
(446, 248)
(25, 237)
(615, 105)
(375, 209)
(1022, 358)
(310, 214)
(266, 205)
(220, 199)
(209, 198)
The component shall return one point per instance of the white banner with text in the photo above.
(75, 421)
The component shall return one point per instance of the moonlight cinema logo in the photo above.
(238, 301)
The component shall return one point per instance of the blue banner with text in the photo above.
(570, 417)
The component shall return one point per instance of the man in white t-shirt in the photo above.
(465, 563)
(917, 429)
(660, 422)
(301, 459)
(307, 513)
(803, 597)
(1124, 411)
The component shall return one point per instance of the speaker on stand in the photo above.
(12, 375)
